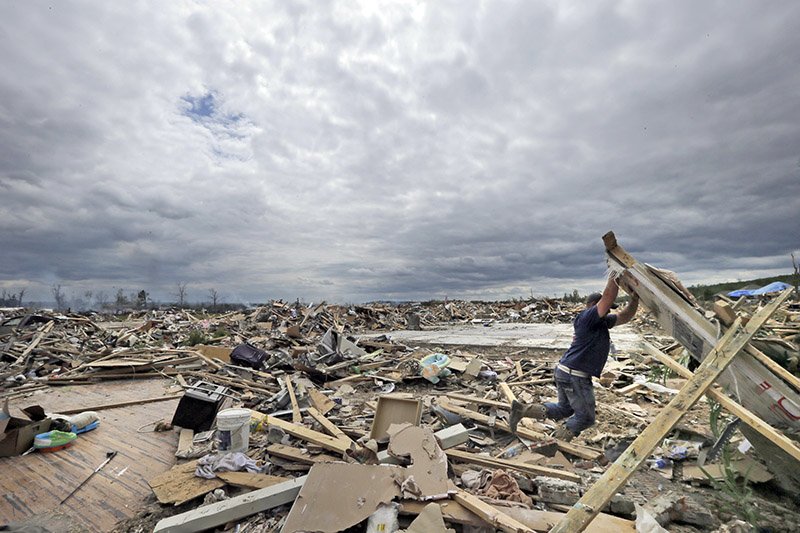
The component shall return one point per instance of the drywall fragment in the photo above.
(337, 496)
(429, 521)
(428, 462)
(447, 438)
(646, 523)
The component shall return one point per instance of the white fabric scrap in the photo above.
(229, 462)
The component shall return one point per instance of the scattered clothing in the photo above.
(229, 462)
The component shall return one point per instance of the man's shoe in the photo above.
(563, 433)
(538, 411)
(519, 410)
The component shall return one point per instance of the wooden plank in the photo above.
(36, 340)
(618, 473)
(330, 427)
(217, 514)
(184, 441)
(767, 361)
(301, 432)
(179, 485)
(250, 481)
(536, 470)
(629, 389)
(540, 381)
(297, 418)
(480, 401)
(299, 456)
(518, 368)
(731, 406)
(116, 405)
(507, 392)
(489, 514)
(322, 403)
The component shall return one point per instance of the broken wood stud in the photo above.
(731, 406)
(519, 466)
(297, 418)
(490, 514)
(506, 390)
(330, 427)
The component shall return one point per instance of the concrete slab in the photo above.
(538, 336)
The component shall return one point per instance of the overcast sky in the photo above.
(393, 150)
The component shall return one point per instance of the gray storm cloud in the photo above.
(353, 152)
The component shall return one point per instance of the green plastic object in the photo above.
(53, 439)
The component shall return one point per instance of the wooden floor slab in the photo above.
(32, 486)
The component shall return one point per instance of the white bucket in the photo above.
(233, 430)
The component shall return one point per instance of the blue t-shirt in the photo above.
(590, 343)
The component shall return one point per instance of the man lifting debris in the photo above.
(585, 358)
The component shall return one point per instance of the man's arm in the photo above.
(609, 295)
(627, 314)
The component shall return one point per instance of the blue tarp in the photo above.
(775, 286)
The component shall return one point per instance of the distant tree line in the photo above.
(123, 301)
(11, 299)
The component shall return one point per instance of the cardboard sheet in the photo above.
(337, 496)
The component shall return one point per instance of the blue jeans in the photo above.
(575, 400)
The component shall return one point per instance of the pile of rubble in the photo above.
(374, 431)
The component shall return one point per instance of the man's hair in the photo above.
(593, 298)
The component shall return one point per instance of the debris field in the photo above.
(295, 417)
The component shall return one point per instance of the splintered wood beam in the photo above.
(297, 418)
(731, 406)
(506, 390)
(480, 401)
(717, 360)
(536, 470)
(329, 426)
(39, 336)
(302, 432)
(490, 514)
(779, 371)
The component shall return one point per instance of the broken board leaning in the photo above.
(751, 383)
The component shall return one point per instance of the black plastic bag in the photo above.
(248, 355)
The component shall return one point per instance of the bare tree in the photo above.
(796, 275)
(214, 297)
(19, 298)
(59, 296)
(180, 294)
(100, 299)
